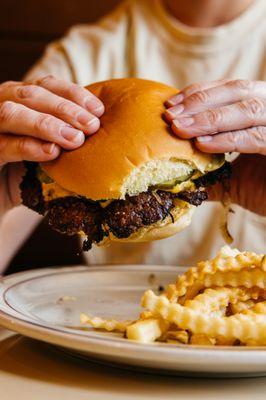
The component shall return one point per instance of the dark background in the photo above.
(26, 26)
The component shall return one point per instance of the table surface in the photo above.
(30, 370)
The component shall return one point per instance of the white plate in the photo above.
(46, 304)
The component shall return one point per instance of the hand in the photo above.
(37, 120)
(247, 185)
(226, 116)
(222, 116)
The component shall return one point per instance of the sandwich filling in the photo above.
(72, 214)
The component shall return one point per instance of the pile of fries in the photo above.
(219, 302)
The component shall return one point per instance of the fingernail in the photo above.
(48, 148)
(93, 125)
(83, 118)
(174, 111)
(183, 122)
(204, 139)
(98, 111)
(95, 106)
(176, 99)
(72, 135)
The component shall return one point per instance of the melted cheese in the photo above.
(53, 191)
(187, 185)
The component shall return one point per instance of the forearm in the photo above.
(15, 227)
(247, 186)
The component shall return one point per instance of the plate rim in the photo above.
(103, 345)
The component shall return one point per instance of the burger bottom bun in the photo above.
(159, 230)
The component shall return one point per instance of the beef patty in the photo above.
(75, 214)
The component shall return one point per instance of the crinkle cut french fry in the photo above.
(245, 278)
(222, 341)
(258, 308)
(147, 330)
(242, 306)
(180, 336)
(224, 262)
(107, 324)
(239, 326)
(215, 300)
(220, 302)
(202, 340)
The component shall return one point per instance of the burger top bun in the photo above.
(134, 147)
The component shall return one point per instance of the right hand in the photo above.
(247, 185)
(37, 120)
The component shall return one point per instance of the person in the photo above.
(217, 44)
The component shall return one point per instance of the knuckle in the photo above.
(189, 90)
(232, 139)
(44, 123)
(45, 80)
(242, 84)
(23, 147)
(73, 91)
(63, 108)
(7, 109)
(27, 91)
(253, 108)
(236, 138)
(199, 97)
(213, 116)
(258, 134)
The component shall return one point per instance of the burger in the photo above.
(133, 180)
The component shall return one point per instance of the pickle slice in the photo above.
(171, 184)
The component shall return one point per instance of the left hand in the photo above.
(222, 116)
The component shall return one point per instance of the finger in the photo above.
(241, 115)
(44, 101)
(252, 140)
(191, 89)
(228, 93)
(16, 148)
(73, 92)
(20, 120)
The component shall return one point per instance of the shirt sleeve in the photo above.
(53, 62)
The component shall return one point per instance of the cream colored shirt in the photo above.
(141, 39)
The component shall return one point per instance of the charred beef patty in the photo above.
(194, 197)
(71, 215)
(125, 217)
(75, 214)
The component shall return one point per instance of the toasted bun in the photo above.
(159, 230)
(133, 149)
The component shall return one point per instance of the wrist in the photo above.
(10, 178)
